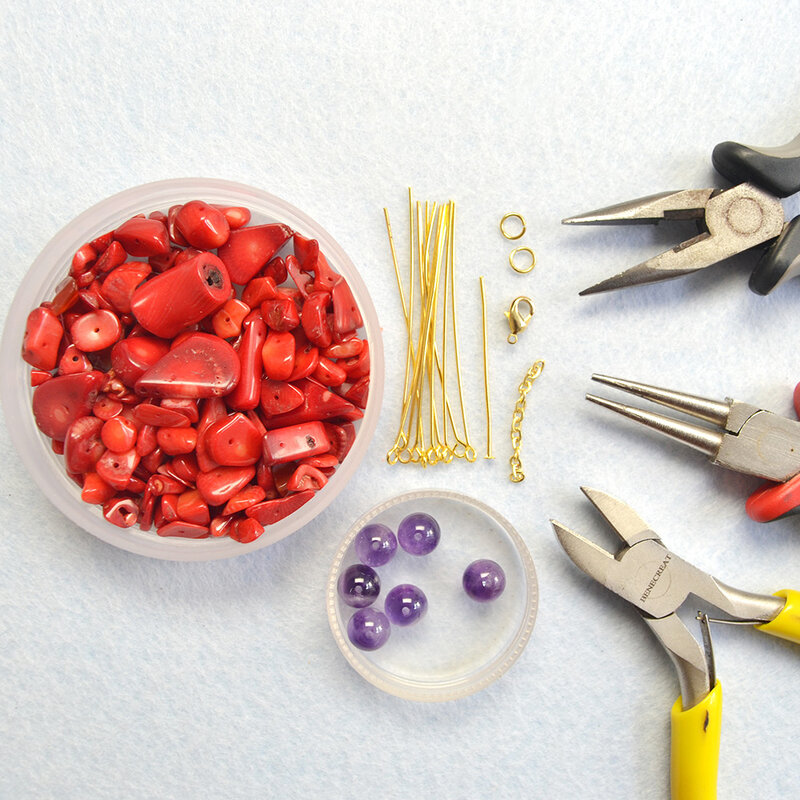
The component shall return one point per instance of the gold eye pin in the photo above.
(517, 320)
(504, 229)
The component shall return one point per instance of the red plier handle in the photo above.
(772, 501)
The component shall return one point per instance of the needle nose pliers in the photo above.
(730, 221)
(657, 582)
(746, 439)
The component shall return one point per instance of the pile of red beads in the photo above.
(200, 375)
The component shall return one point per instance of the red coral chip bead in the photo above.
(202, 225)
(342, 437)
(143, 237)
(39, 376)
(116, 469)
(271, 511)
(102, 242)
(201, 366)
(106, 407)
(326, 461)
(158, 417)
(246, 530)
(174, 441)
(186, 530)
(95, 490)
(237, 216)
(329, 373)
(43, 333)
(192, 508)
(258, 290)
(159, 485)
(222, 483)
(280, 314)
(74, 361)
(112, 257)
(276, 269)
(314, 319)
(65, 297)
(183, 405)
(184, 466)
(121, 283)
(306, 360)
(180, 297)
(279, 397)
(319, 403)
(303, 281)
(82, 445)
(119, 434)
(358, 393)
(96, 330)
(277, 355)
(346, 315)
(132, 357)
(220, 526)
(247, 393)
(233, 441)
(345, 349)
(83, 259)
(249, 249)
(249, 496)
(295, 442)
(58, 402)
(306, 477)
(227, 321)
(358, 367)
(121, 511)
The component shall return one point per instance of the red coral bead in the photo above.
(329, 373)
(227, 322)
(82, 445)
(83, 259)
(315, 319)
(271, 511)
(121, 511)
(237, 216)
(61, 400)
(192, 508)
(112, 257)
(306, 477)
(222, 483)
(43, 332)
(180, 297)
(95, 490)
(202, 225)
(116, 469)
(233, 441)
(346, 315)
(358, 393)
(280, 314)
(186, 530)
(295, 442)
(65, 297)
(279, 397)
(119, 434)
(201, 366)
(132, 357)
(73, 361)
(96, 330)
(121, 283)
(277, 355)
(143, 237)
(246, 530)
(247, 393)
(249, 496)
(174, 441)
(249, 249)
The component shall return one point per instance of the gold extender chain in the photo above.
(534, 372)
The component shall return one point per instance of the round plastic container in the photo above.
(52, 265)
(460, 646)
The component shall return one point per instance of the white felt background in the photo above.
(127, 677)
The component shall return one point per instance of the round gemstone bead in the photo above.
(405, 604)
(418, 534)
(359, 585)
(368, 629)
(375, 545)
(484, 580)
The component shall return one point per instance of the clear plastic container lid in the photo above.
(460, 645)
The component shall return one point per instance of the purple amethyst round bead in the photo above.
(359, 585)
(375, 544)
(484, 580)
(368, 629)
(405, 604)
(418, 534)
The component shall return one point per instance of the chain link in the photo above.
(516, 421)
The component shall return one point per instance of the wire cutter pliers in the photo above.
(657, 582)
(747, 439)
(730, 221)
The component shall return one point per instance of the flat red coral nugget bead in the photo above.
(249, 249)
(200, 366)
(58, 402)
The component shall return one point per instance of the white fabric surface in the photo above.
(127, 677)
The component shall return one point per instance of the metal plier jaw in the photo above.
(731, 222)
(747, 438)
(657, 582)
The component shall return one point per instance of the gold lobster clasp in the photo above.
(518, 321)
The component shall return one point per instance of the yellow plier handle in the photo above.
(787, 624)
(695, 747)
